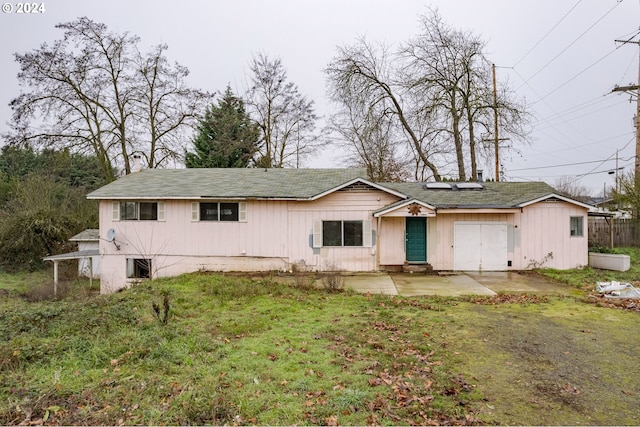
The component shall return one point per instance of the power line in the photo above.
(586, 104)
(579, 176)
(558, 166)
(579, 74)
(584, 145)
(548, 32)
(571, 44)
(582, 115)
(547, 121)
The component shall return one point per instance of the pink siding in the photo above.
(276, 235)
(545, 229)
(341, 205)
(532, 233)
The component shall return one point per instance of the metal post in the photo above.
(55, 277)
(495, 123)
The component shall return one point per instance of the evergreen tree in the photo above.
(227, 137)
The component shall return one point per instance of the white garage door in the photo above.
(479, 246)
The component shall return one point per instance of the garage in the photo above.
(479, 246)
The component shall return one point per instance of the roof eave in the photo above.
(557, 196)
(363, 181)
(401, 204)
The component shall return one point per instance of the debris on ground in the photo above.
(616, 289)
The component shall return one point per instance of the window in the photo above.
(138, 211)
(148, 211)
(219, 211)
(343, 233)
(576, 226)
(208, 212)
(138, 268)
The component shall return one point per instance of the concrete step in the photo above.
(417, 268)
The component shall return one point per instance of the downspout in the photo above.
(378, 227)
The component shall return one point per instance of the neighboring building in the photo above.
(165, 222)
(88, 242)
(88, 255)
(607, 205)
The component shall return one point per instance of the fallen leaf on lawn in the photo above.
(570, 389)
(331, 421)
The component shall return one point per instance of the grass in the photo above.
(587, 277)
(21, 281)
(254, 351)
(232, 350)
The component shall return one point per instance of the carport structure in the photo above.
(78, 255)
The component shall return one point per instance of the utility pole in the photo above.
(630, 89)
(495, 123)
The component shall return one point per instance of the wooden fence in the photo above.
(626, 232)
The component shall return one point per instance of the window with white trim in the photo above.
(138, 211)
(219, 211)
(138, 268)
(342, 233)
(576, 226)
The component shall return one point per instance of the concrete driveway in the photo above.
(451, 284)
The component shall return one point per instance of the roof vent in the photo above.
(469, 186)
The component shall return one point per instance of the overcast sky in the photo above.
(559, 55)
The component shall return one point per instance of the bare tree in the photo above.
(438, 87)
(93, 92)
(165, 107)
(362, 73)
(285, 116)
(567, 186)
(372, 141)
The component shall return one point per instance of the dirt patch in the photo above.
(559, 363)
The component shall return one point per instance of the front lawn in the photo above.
(239, 351)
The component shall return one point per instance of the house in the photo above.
(157, 223)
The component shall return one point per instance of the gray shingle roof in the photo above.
(492, 195)
(226, 183)
(303, 184)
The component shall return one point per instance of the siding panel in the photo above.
(275, 235)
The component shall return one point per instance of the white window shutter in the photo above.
(367, 236)
(242, 211)
(161, 211)
(317, 233)
(195, 211)
(116, 211)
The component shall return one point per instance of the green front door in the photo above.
(416, 239)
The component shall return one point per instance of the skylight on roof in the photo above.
(437, 186)
(469, 186)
